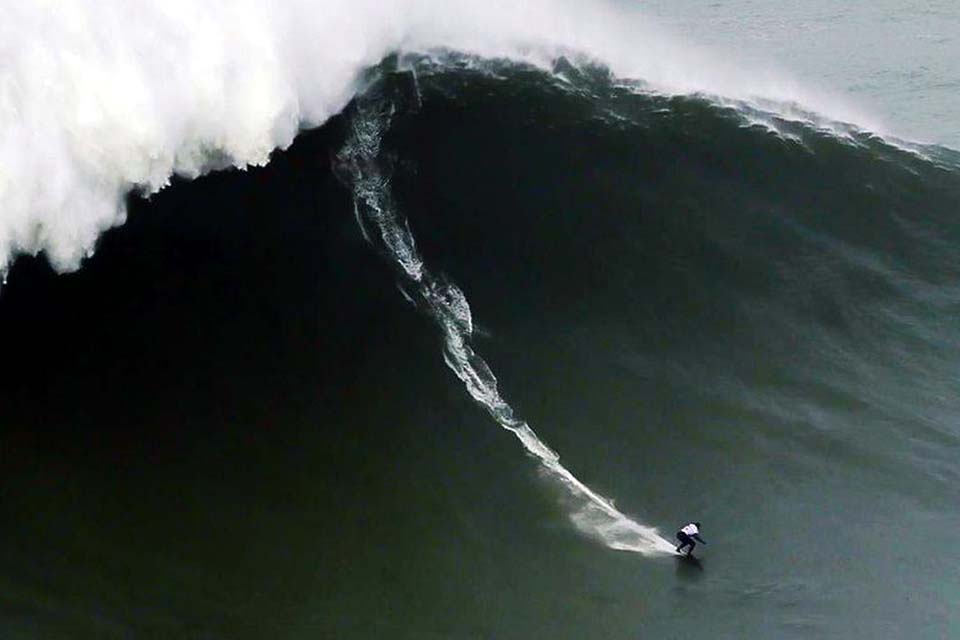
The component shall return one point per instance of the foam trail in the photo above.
(362, 168)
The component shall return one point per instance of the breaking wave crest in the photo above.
(98, 99)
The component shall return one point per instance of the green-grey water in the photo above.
(231, 422)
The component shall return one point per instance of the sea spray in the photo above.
(365, 169)
(99, 98)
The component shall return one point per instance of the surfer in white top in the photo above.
(687, 535)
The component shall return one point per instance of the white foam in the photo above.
(98, 97)
(592, 514)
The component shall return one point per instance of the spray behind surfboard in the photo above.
(364, 169)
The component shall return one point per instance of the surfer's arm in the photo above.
(698, 538)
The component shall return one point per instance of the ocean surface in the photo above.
(458, 363)
(891, 60)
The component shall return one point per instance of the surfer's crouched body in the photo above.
(687, 535)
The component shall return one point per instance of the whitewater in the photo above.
(101, 99)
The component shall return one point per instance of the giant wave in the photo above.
(130, 96)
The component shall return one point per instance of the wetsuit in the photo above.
(687, 535)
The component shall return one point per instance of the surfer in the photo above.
(687, 535)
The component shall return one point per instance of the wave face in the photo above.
(711, 310)
(101, 98)
(841, 248)
(757, 281)
(853, 216)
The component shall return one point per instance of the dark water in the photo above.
(230, 424)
